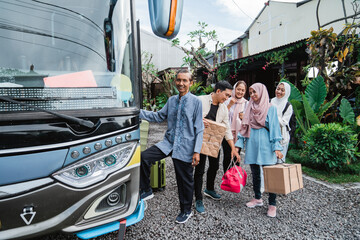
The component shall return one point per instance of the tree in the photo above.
(168, 83)
(328, 49)
(196, 54)
(149, 74)
(355, 4)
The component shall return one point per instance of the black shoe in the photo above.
(146, 195)
(212, 194)
(183, 217)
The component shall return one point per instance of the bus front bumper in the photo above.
(134, 218)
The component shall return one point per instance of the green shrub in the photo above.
(298, 156)
(351, 173)
(198, 90)
(195, 88)
(207, 90)
(161, 100)
(353, 168)
(295, 156)
(330, 146)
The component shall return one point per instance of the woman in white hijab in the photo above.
(282, 93)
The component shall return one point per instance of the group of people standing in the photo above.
(258, 125)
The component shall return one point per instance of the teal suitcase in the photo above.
(158, 175)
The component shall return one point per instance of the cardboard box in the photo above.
(212, 138)
(283, 178)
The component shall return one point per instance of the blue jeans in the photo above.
(255, 170)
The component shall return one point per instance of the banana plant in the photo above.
(310, 106)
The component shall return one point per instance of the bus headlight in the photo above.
(109, 160)
(97, 167)
(82, 171)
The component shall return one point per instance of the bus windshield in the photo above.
(67, 55)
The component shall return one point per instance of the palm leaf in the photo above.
(295, 93)
(311, 117)
(316, 93)
(326, 106)
(298, 109)
(346, 111)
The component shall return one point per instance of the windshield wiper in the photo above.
(80, 121)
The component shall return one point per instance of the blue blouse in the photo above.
(184, 135)
(261, 145)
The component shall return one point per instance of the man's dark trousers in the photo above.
(210, 177)
(183, 172)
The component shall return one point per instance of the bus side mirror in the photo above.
(165, 17)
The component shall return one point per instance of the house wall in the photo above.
(229, 53)
(238, 50)
(282, 23)
(245, 47)
(164, 55)
(223, 55)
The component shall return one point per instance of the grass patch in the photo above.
(331, 177)
(294, 156)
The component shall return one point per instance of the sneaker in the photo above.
(212, 194)
(254, 203)
(146, 195)
(145, 206)
(271, 211)
(199, 206)
(183, 217)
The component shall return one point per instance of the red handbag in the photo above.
(234, 178)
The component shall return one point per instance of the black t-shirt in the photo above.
(212, 113)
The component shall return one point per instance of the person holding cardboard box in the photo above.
(213, 109)
(182, 141)
(236, 106)
(284, 112)
(260, 129)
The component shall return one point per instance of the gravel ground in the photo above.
(314, 212)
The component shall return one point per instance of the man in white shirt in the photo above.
(213, 109)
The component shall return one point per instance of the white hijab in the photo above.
(280, 103)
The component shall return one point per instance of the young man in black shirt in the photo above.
(213, 109)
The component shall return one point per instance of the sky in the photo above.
(229, 18)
